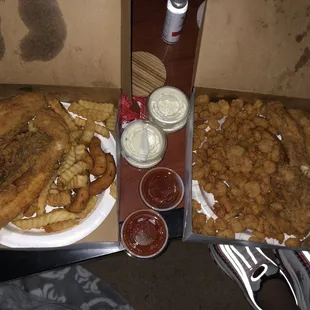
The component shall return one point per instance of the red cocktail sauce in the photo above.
(161, 189)
(144, 234)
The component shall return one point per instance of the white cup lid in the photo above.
(168, 105)
(143, 142)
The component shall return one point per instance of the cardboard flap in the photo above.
(64, 43)
(255, 46)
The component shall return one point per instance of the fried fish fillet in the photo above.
(302, 118)
(16, 112)
(291, 192)
(20, 154)
(291, 132)
(38, 153)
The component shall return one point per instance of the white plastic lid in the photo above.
(143, 144)
(168, 107)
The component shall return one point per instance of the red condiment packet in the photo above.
(142, 105)
(126, 114)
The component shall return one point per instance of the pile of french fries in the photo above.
(70, 191)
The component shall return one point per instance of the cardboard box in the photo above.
(252, 50)
(255, 46)
(72, 51)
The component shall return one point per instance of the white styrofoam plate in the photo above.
(200, 11)
(14, 237)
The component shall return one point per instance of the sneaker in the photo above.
(297, 265)
(249, 267)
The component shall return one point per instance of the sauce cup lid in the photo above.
(168, 105)
(143, 144)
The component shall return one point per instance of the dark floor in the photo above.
(183, 278)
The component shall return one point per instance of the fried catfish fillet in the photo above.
(16, 112)
(28, 159)
(292, 135)
(291, 191)
(19, 155)
(302, 118)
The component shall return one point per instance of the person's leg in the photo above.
(74, 287)
(15, 298)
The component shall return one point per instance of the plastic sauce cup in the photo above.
(144, 234)
(143, 144)
(161, 189)
(168, 107)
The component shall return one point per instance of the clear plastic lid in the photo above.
(143, 144)
(168, 107)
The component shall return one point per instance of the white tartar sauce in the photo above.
(168, 107)
(143, 144)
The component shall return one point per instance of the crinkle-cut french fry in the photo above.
(80, 150)
(19, 216)
(103, 131)
(77, 181)
(60, 226)
(53, 191)
(45, 219)
(106, 107)
(77, 109)
(53, 186)
(88, 132)
(41, 207)
(31, 209)
(96, 115)
(68, 162)
(31, 126)
(80, 122)
(73, 140)
(111, 122)
(59, 109)
(89, 207)
(58, 200)
(88, 160)
(76, 134)
(113, 190)
(43, 198)
(75, 169)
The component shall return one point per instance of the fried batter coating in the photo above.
(228, 234)
(292, 135)
(236, 225)
(197, 173)
(199, 219)
(292, 243)
(203, 99)
(254, 177)
(302, 118)
(195, 205)
(209, 228)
